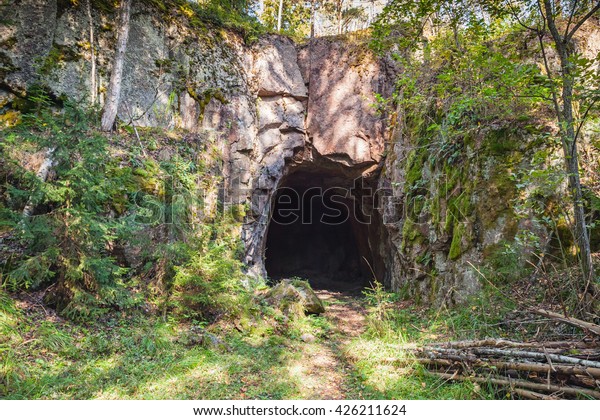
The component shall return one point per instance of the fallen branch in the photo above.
(520, 366)
(42, 175)
(584, 325)
(532, 395)
(493, 342)
(520, 383)
(539, 356)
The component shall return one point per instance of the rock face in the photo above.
(293, 295)
(343, 80)
(276, 109)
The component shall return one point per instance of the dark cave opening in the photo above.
(318, 231)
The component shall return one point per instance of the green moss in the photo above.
(433, 288)
(411, 235)
(239, 212)
(501, 141)
(57, 56)
(9, 118)
(63, 5)
(8, 43)
(409, 232)
(105, 6)
(414, 167)
(6, 65)
(204, 98)
(149, 178)
(498, 191)
(452, 174)
(457, 247)
(459, 208)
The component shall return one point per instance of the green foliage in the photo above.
(401, 24)
(295, 17)
(209, 285)
(379, 314)
(113, 230)
(464, 95)
(236, 15)
(68, 242)
(57, 57)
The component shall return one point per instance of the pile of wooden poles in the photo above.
(530, 370)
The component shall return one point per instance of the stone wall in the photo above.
(277, 108)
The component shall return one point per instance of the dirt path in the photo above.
(323, 371)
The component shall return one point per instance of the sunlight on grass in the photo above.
(381, 371)
(146, 358)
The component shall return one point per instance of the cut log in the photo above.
(499, 364)
(532, 395)
(584, 325)
(492, 342)
(520, 383)
(538, 356)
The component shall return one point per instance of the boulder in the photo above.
(295, 295)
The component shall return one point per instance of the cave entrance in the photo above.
(318, 231)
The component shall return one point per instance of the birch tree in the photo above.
(93, 84)
(113, 93)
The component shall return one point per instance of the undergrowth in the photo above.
(114, 228)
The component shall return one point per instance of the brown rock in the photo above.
(342, 123)
(293, 296)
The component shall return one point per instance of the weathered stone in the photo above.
(342, 124)
(31, 26)
(276, 68)
(196, 336)
(290, 295)
(257, 111)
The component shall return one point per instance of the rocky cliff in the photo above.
(283, 114)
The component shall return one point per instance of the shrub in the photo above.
(68, 239)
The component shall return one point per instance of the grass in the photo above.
(382, 368)
(140, 356)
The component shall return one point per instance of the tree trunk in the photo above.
(312, 19)
(339, 16)
(570, 150)
(93, 87)
(113, 94)
(280, 16)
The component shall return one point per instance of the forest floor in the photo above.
(325, 370)
(347, 353)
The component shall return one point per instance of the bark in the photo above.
(280, 16)
(572, 391)
(312, 19)
(93, 87)
(113, 95)
(532, 395)
(519, 366)
(539, 356)
(587, 326)
(493, 342)
(42, 174)
(340, 12)
(570, 149)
